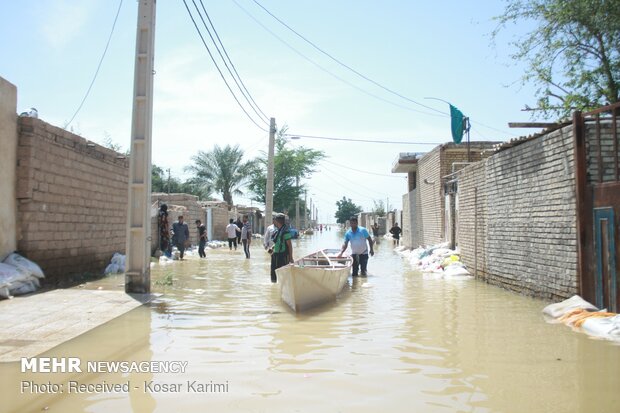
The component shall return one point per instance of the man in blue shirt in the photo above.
(358, 236)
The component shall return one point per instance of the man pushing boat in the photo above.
(358, 236)
(282, 249)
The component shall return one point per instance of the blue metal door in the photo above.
(605, 247)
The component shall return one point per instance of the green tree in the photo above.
(378, 208)
(221, 169)
(572, 53)
(161, 183)
(290, 164)
(346, 209)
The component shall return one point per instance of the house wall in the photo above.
(8, 161)
(526, 217)
(431, 198)
(219, 218)
(71, 200)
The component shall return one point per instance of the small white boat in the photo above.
(314, 279)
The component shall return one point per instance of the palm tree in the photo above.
(221, 169)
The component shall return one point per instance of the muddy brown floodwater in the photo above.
(393, 342)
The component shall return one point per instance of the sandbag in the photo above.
(608, 327)
(25, 264)
(10, 274)
(111, 269)
(455, 269)
(557, 310)
(4, 291)
(23, 287)
(116, 265)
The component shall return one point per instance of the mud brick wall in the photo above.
(527, 217)
(219, 222)
(72, 200)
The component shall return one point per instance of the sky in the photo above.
(51, 49)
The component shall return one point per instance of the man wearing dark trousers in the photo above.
(282, 249)
(202, 238)
(358, 236)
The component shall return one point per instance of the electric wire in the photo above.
(105, 50)
(337, 177)
(360, 140)
(362, 171)
(244, 91)
(347, 66)
(216, 65)
(393, 92)
(318, 66)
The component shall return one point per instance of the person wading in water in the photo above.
(282, 250)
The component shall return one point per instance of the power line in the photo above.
(336, 177)
(362, 171)
(216, 65)
(347, 66)
(393, 92)
(105, 50)
(244, 91)
(318, 66)
(290, 135)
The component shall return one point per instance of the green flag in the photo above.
(457, 124)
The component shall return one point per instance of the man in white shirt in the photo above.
(267, 241)
(231, 234)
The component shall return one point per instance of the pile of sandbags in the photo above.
(437, 259)
(582, 316)
(116, 265)
(216, 244)
(19, 275)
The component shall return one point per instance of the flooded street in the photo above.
(394, 341)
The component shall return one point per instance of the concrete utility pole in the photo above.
(137, 264)
(270, 156)
(306, 208)
(297, 205)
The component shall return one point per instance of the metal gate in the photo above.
(597, 177)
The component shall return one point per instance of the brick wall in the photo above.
(430, 201)
(526, 217)
(72, 200)
(220, 216)
(8, 153)
(431, 198)
(472, 217)
(410, 225)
